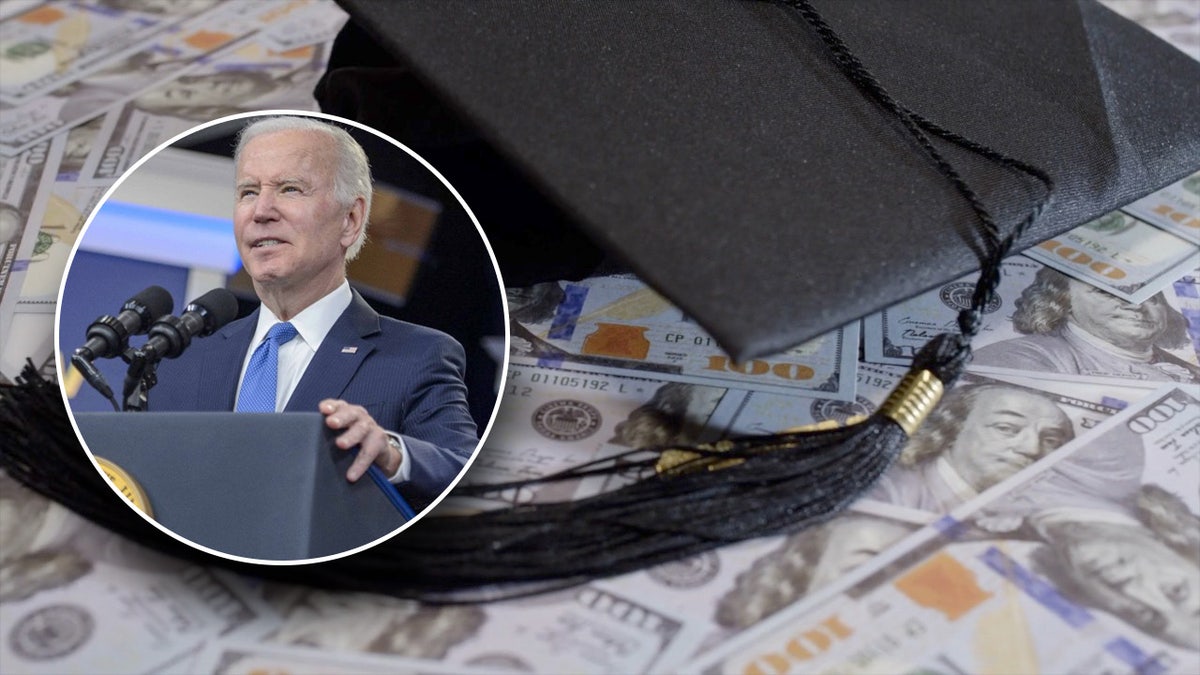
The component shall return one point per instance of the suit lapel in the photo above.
(338, 359)
(218, 388)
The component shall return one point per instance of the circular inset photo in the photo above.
(282, 329)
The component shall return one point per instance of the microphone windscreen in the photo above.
(220, 307)
(156, 302)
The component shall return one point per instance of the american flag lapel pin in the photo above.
(349, 350)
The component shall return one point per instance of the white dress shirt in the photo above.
(312, 325)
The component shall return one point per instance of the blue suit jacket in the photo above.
(410, 378)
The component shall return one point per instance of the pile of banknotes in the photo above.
(1046, 518)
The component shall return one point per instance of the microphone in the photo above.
(170, 335)
(108, 336)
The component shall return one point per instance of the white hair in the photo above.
(351, 177)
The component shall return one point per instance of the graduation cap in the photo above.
(716, 148)
(777, 169)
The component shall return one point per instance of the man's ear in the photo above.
(352, 223)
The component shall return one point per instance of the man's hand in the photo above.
(361, 430)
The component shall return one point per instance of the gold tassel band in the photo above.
(910, 402)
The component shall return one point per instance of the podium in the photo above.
(269, 486)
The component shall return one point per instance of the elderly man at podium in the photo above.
(395, 390)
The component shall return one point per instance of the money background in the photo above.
(877, 589)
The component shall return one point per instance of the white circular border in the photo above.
(461, 202)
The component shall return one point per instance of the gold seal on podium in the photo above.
(127, 485)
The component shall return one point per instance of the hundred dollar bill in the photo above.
(80, 142)
(75, 598)
(553, 420)
(1175, 208)
(1120, 254)
(894, 335)
(584, 630)
(1080, 565)
(1045, 324)
(65, 213)
(985, 430)
(616, 324)
(25, 185)
(172, 54)
(249, 77)
(53, 45)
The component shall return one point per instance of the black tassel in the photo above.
(721, 493)
(699, 498)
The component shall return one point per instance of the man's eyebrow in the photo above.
(1020, 415)
(287, 180)
(1009, 413)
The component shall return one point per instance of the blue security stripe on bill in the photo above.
(568, 312)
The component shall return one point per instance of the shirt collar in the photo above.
(314, 322)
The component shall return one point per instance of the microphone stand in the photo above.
(141, 376)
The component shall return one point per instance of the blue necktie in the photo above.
(262, 374)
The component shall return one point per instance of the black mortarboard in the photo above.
(714, 146)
